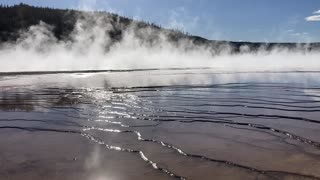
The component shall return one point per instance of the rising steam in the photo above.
(89, 46)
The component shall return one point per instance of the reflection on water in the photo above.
(28, 100)
(263, 130)
(17, 102)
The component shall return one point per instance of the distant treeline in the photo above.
(14, 19)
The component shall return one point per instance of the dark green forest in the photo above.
(20, 17)
(17, 18)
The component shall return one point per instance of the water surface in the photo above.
(160, 124)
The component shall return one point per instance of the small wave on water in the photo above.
(160, 124)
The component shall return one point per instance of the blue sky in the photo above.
(237, 20)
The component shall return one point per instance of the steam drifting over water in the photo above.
(90, 47)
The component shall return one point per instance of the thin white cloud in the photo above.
(317, 12)
(299, 34)
(180, 19)
(87, 5)
(95, 5)
(313, 18)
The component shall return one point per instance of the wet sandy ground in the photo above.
(160, 125)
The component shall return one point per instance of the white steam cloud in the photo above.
(90, 47)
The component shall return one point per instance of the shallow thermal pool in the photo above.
(160, 124)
